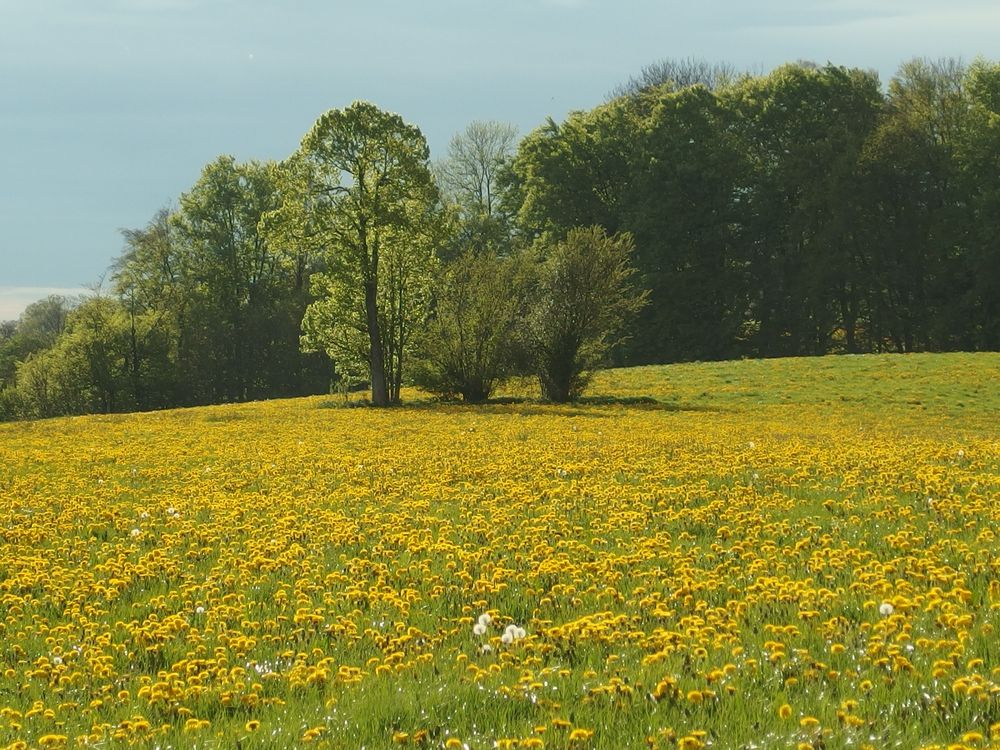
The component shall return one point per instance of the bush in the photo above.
(584, 298)
(467, 347)
(10, 404)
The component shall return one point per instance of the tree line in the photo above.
(699, 213)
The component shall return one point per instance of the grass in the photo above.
(689, 550)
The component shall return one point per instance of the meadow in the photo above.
(795, 553)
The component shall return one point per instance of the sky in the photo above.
(109, 109)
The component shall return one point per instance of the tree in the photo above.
(467, 346)
(360, 190)
(678, 74)
(471, 174)
(38, 328)
(474, 181)
(803, 130)
(240, 275)
(979, 161)
(576, 173)
(918, 215)
(153, 280)
(96, 341)
(685, 212)
(585, 297)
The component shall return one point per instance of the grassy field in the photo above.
(793, 553)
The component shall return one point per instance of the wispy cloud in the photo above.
(13, 299)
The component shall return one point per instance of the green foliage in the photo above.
(803, 130)
(469, 344)
(37, 329)
(804, 211)
(978, 157)
(800, 212)
(10, 404)
(360, 191)
(249, 287)
(575, 173)
(585, 297)
(474, 178)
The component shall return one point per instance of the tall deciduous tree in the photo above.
(979, 160)
(238, 268)
(361, 190)
(474, 181)
(677, 74)
(803, 129)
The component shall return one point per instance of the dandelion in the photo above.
(485, 619)
(886, 609)
(785, 711)
(53, 740)
(479, 629)
(134, 533)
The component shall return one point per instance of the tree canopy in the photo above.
(698, 213)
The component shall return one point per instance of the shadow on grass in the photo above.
(531, 406)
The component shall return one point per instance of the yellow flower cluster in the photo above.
(683, 573)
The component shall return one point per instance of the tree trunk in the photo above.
(380, 392)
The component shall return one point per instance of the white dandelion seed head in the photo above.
(144, 515)
(485, 618)
(507, 638)
(520, 633)
(886, 609)
(57, 660)
(486, 649)
(479, 629)
(134, 533)
(199, 610)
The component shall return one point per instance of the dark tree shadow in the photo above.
(534, 406)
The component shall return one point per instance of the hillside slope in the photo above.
(780, 553)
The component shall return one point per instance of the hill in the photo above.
(767, 553)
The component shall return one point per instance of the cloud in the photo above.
(13, 299)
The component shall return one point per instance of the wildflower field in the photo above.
(791, 553)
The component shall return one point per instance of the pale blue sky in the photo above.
(110, 108)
